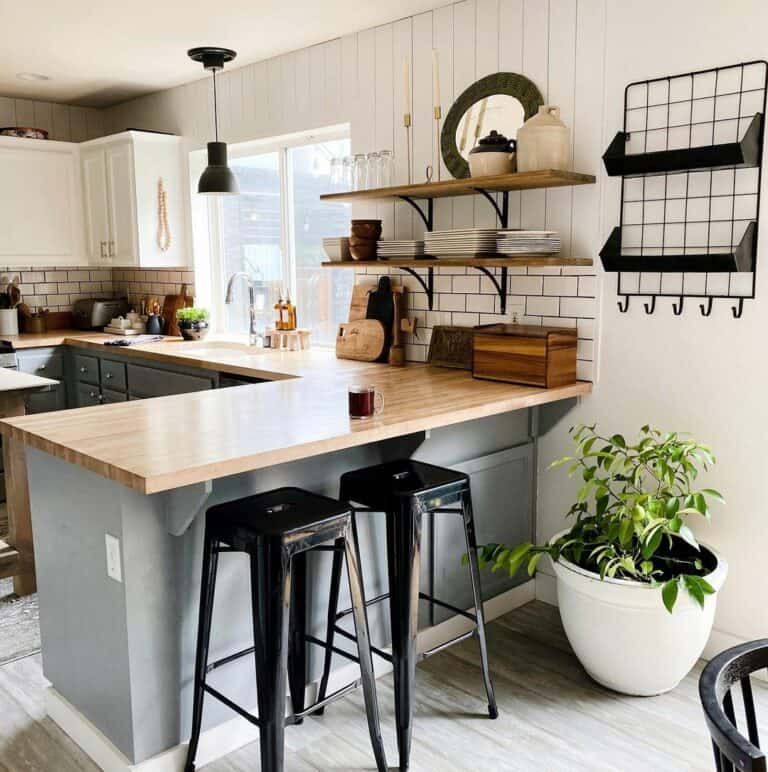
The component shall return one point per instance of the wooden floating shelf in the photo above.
(469, 186)
(469, 262)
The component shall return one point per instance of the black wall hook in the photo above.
(738, 309)
(706, 310)
(677, 308)
(650, 308)
(625, 306)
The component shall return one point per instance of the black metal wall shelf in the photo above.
(690, 161)
(730, 155)
(742, 259)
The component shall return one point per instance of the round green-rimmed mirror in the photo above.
(502, 101)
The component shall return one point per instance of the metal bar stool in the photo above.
(405, 490)
(732, 750)
(277, 529)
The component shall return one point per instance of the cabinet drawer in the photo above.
(109, 397)
(87, 369)
(113, 375)
(153, 382)
(46, 364)
(45, 401)
(87, 395)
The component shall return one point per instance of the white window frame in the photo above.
(210, 281)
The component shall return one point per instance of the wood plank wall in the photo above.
(63, 122)
(357, 79)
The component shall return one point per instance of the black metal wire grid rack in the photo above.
(690, 160)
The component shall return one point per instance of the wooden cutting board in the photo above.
(363, 340)
(171, 304)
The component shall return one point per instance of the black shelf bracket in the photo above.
(502, 212)
(428, 286)
(501, 287)
(427, 216)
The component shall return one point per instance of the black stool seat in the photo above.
(277, 529)
(383, 486)
(283, 511)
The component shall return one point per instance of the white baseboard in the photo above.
(233, 734)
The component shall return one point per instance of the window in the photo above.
(273, 232)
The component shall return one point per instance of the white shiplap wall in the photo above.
(63, 122)
(357, 79)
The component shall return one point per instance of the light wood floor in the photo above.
(553, 717)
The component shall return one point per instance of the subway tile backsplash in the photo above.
(57, 289)
(552, 296)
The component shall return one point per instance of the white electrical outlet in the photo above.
(515, 310)
(114, 567)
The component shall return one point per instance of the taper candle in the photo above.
(406, 88)
(435, 78)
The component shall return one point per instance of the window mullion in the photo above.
(288, 245)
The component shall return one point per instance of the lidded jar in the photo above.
(494, 154)
(544, 142)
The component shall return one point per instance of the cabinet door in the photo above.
(96, 219)
(40, 203)
(121, 247)
(88, 395)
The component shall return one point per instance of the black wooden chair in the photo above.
(733, 751)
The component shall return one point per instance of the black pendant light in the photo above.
(217, 179)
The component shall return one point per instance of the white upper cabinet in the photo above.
(121, 183)
(41, 216)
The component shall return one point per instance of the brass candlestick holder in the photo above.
(438, 112)
(407, 125)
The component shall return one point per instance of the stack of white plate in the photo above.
(400, 248)
(465, 241)
(512, 242)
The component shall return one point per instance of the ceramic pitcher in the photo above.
(544, 142)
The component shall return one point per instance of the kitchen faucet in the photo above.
(254, 337)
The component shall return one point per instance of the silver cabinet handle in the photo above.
(103, 248)
(83, 369)
(111, 248)
(42, 367)
(92, 394)
(108, 375)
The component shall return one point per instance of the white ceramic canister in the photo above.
(9, 321)
(544, 142)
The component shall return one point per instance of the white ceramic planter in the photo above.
(622, 634)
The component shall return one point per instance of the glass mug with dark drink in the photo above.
(365, 402)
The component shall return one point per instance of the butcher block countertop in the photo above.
(159, 444)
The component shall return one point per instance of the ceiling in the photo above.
(101, 53)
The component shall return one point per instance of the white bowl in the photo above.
(337, 250)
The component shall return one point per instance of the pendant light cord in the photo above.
(215, 109)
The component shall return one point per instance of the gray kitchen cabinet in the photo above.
(503, 499)
(88, 395)
(48, 363)
(113, 375)
(145, 381)
(109, 397)
(87, 369)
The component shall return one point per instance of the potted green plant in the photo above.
(193, 322)
(636, 589)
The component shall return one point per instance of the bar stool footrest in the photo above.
(447, 644)
(232, 705)
(422, 596)
(320, 704)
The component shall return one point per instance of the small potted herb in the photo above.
(635, 587)
(193, 323)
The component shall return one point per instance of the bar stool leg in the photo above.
(403, 563)
(297, 651)
(362, 634)
(270, 597)
(207, 588)
(333, 607)
(474, 573)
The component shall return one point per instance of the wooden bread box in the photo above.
(524, 353)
